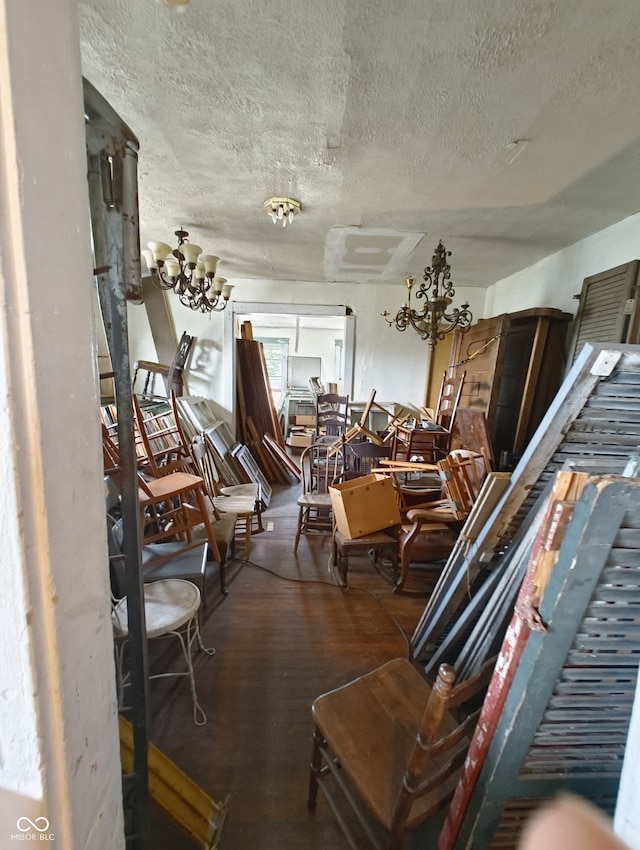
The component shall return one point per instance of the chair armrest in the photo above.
(441, 512)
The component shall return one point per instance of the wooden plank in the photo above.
(285, 459)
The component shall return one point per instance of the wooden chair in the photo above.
(171, 374)
(174, 508)
(429, 533)
(163, 447)
(360, 457)
(446, 410)
(431, 442)
(166, 450)
(391, 748)
(321, 463)
(242, 500)
(331, 415)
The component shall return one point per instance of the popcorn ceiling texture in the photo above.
(379, 114)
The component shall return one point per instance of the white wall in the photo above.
(59, 753)
(552, 282)
(394, 364)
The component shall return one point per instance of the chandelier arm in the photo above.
(161, 281)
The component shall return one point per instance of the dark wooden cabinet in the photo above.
(514, 364)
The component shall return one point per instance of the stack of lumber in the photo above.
(257, 423)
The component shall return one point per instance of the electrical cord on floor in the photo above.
(338, 586)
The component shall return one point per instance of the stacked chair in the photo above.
(165, 451)
(409, 556)
(331, 416)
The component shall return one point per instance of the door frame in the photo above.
(238, 308)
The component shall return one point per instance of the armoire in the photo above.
(514, 364)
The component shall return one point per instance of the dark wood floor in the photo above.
(285, 633)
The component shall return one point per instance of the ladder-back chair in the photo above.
(392, 748)
(331, 415)
(446, 410)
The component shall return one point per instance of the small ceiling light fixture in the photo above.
(282, 210)
(433, 321)
(189, 273)
(175, 5)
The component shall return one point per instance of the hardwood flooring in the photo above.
(285, 633)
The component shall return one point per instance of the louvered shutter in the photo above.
(608, 310)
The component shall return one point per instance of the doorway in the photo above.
(301, 324)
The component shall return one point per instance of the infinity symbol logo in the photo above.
(41, 824)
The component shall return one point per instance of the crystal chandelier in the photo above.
(432, 322)
(282, 210)
(189, 273)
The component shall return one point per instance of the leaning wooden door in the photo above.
(480, 353)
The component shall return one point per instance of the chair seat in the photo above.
(314, 500)
(170, 485)
(240, 505)
(173, 557)
(249, 490)
(168, 605)
(389, 704)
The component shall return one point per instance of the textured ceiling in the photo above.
(387, 119)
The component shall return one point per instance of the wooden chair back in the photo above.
(394, 746)
(462, 473)
(415, 445)
(448, 400)
(361, 457)
(331, 414)
(321, 464)
(438, 755)
(165, 447)
(171, 374)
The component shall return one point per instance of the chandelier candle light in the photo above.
(189, 273)
(432, 322)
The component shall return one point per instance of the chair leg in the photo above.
(340, 563)
(186, 642)
(314, 771)
(223, 574)
(298, 530)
